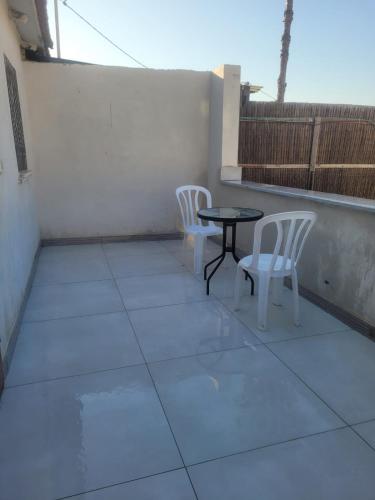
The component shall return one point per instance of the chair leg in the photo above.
(277, 291)
(198, 253)
(238, 287)
(296, 315)
(184, 246)
(264, 285)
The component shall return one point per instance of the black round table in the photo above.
(229, 217)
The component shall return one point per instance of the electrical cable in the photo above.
(64, 2)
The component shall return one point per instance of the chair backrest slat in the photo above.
(190, 209)
(288, 243)
(297, 244)
(293, 229)
(188, 198)
(279, 242)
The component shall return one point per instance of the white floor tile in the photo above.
(101, 429)
(187, 258)
(72, 299)
(331, 466)
(128, 248)
(59, 348)
(187, 329)
(232, 401)
(173, 485)
(178, 245)
(367, 431)
(140, 265)
(69, 264)
(77, 434)
(280, 326)
(160, 290)
(340, 367)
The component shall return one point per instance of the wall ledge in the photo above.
(325, 198)
(231, 173)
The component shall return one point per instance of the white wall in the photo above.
(338, 262)
(224, 123)
(19, 234)
(112, 144)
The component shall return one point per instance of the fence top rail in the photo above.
(325, 119)
(301, 110)
(275, 119)
(306, 165)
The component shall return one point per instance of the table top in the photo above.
(230, 214)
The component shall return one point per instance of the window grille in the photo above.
(15, 112)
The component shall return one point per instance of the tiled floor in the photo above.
(128, 382)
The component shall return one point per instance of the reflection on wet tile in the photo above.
(178, 245)
(188, 329)
(227, 402)
(100, 433)
(81, 433)
(280, 318)
(187, 258)
(160, 290)
(222, 282)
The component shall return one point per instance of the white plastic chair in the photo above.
(292, 231)
(189, 198)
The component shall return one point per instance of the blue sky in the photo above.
(332, 53)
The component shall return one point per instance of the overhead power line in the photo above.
(268, 95)
(65, 3)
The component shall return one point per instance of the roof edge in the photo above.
(41, 10)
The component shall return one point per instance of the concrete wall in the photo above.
(19, 234)
(341, 246)
(112, 144)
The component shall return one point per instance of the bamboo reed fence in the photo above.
(326, 147)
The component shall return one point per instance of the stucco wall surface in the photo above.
(112, 144)
(19, 233)
(338, 261)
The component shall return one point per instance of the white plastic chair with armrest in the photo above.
(292, 231)
(189, 199)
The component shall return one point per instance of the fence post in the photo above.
(245, 94)
(314, 150)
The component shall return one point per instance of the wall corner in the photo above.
(224, 124)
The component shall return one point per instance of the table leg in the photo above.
(237, 259)
(221, 257)
(209, 263)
